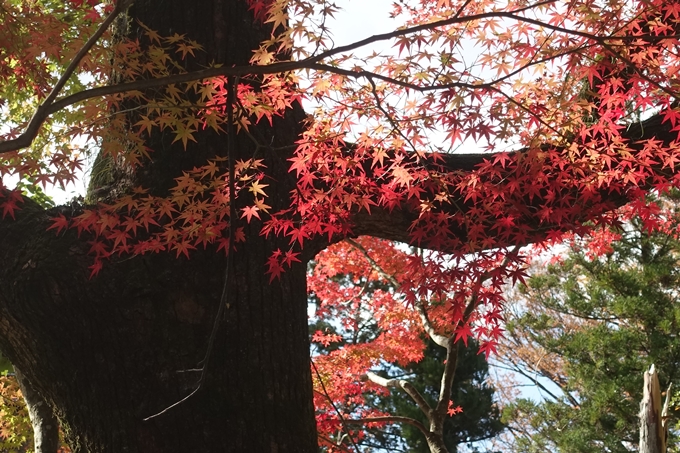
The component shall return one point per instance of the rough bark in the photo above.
(110, 351)
(113, 350)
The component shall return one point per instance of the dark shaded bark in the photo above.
(110, 351)
(113, 350)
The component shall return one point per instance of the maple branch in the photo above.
(44, 110)
(474, 297)
(451, 361)
(389, 117)
(390, 419)
(528, 374)
(26, 138)
(428, 87)
(337, 411)
(330, 442)
(405, 386)
(374, 265)
(441, 340)
(629, 63)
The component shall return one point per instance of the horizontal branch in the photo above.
(397, 224)
(405, 386)
(389, 419)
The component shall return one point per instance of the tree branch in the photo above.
(51, 105)
(48, 106)
(440, 411)
(397, 223)
(441, 340)
(390, 419)
(404, 385)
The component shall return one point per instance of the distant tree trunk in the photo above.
(653, 428)
(45, 424)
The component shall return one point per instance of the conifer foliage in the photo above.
(586, 329)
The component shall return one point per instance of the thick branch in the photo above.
(396, 224)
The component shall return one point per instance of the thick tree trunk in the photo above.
(110, 351)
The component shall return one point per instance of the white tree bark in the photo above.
(653, 427)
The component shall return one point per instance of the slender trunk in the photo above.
(45, 424)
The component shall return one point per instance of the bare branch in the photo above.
(405, 386)
(391, 419)
(441, 340)
(440, 411)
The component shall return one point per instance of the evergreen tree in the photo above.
(590, 326)
(480, 418)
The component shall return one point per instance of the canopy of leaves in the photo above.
(563, 84)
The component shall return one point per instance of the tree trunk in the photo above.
(45, 424)
(110, 351)
(653, 428)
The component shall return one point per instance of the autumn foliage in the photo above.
(485, 125)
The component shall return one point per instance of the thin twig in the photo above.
(337, 411)
(231, 130)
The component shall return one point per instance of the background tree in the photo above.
(193, 109)
(480, 418)
(357, 318)
(585, 330)
(26, 421)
